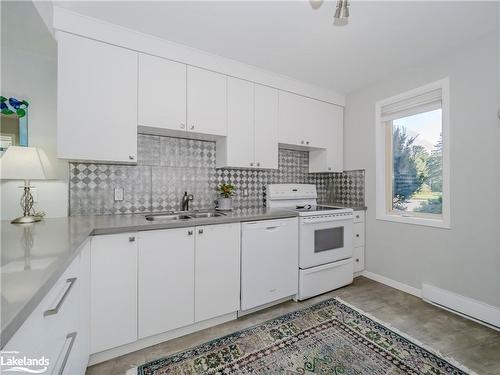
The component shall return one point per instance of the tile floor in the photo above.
(472, 344)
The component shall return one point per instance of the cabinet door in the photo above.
(206, 102)
(217, 270)
(336, 140)
(162, 93)
(165, 280)
(330, 158)
(359, 259)
(96, 101)
(266, 127)
(291, 119)
(113, 290)
(321, 122)
(240, 120)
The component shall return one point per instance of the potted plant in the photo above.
(226, 191)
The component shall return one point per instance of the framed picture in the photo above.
(13, 122)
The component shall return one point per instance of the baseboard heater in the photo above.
(468, 307)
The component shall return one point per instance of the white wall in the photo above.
(465, 259)
(29, 71)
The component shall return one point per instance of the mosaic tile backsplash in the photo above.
(167, 167)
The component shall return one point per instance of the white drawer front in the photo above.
(45, 331)
(359, 234)
(321, 279)
(359, 216)
(359, 259)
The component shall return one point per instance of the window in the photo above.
(413, 156)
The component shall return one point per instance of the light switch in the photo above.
(118, 194)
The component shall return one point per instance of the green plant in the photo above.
(226, 190)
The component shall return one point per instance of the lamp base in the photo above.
(26, 219)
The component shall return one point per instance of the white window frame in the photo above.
(382, 204)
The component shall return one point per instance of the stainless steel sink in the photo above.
(183, 215)
(200, 215)
(167, 217)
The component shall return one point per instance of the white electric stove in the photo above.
(325, 238)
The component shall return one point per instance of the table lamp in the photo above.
(26, 163)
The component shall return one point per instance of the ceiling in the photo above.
(293, 39)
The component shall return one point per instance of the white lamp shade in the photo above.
(25, 163)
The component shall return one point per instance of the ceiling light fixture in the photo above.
(342, 11)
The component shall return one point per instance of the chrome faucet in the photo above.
(185, 201)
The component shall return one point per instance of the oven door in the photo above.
(323, 241)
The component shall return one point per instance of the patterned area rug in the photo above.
(330, 337)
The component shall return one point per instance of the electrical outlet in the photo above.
(245, 192)
(118, 194)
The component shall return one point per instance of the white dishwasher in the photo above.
(269, 261)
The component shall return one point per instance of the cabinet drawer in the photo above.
(45, 331)
(358, 234)
(359, 216)
(359, 259)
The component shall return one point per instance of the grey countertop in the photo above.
(34, 256)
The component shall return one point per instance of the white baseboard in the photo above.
(469, 308)
(464, 306)
(153, 340)
(393, 283)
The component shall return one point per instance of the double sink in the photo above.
(184, 215)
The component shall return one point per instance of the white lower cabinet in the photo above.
(165, 280)
(217, 270)
(113, 288)
(152, 282)
(359, 241)
(58, 327)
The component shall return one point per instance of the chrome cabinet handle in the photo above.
(329, 168)
(131, 157)
(357, 235)
(357, 216)
(357, 259)
(182, 126)
(192, 127)
(190, 232)
(131, 239)
(302, 142)
(55, 310)
(258, 164)
(200, 231)
(71, 336)
(251, 164)
(307, 142)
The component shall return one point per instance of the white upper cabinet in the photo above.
(252, 134)
(303, 121)
(331, 158)
(266, 127)
(206, 102)
(291, 119)
(239, 144)
(217, 270)
(165, 280)
(97, 101)
(162, 93)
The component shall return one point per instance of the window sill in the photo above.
(416, 220)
